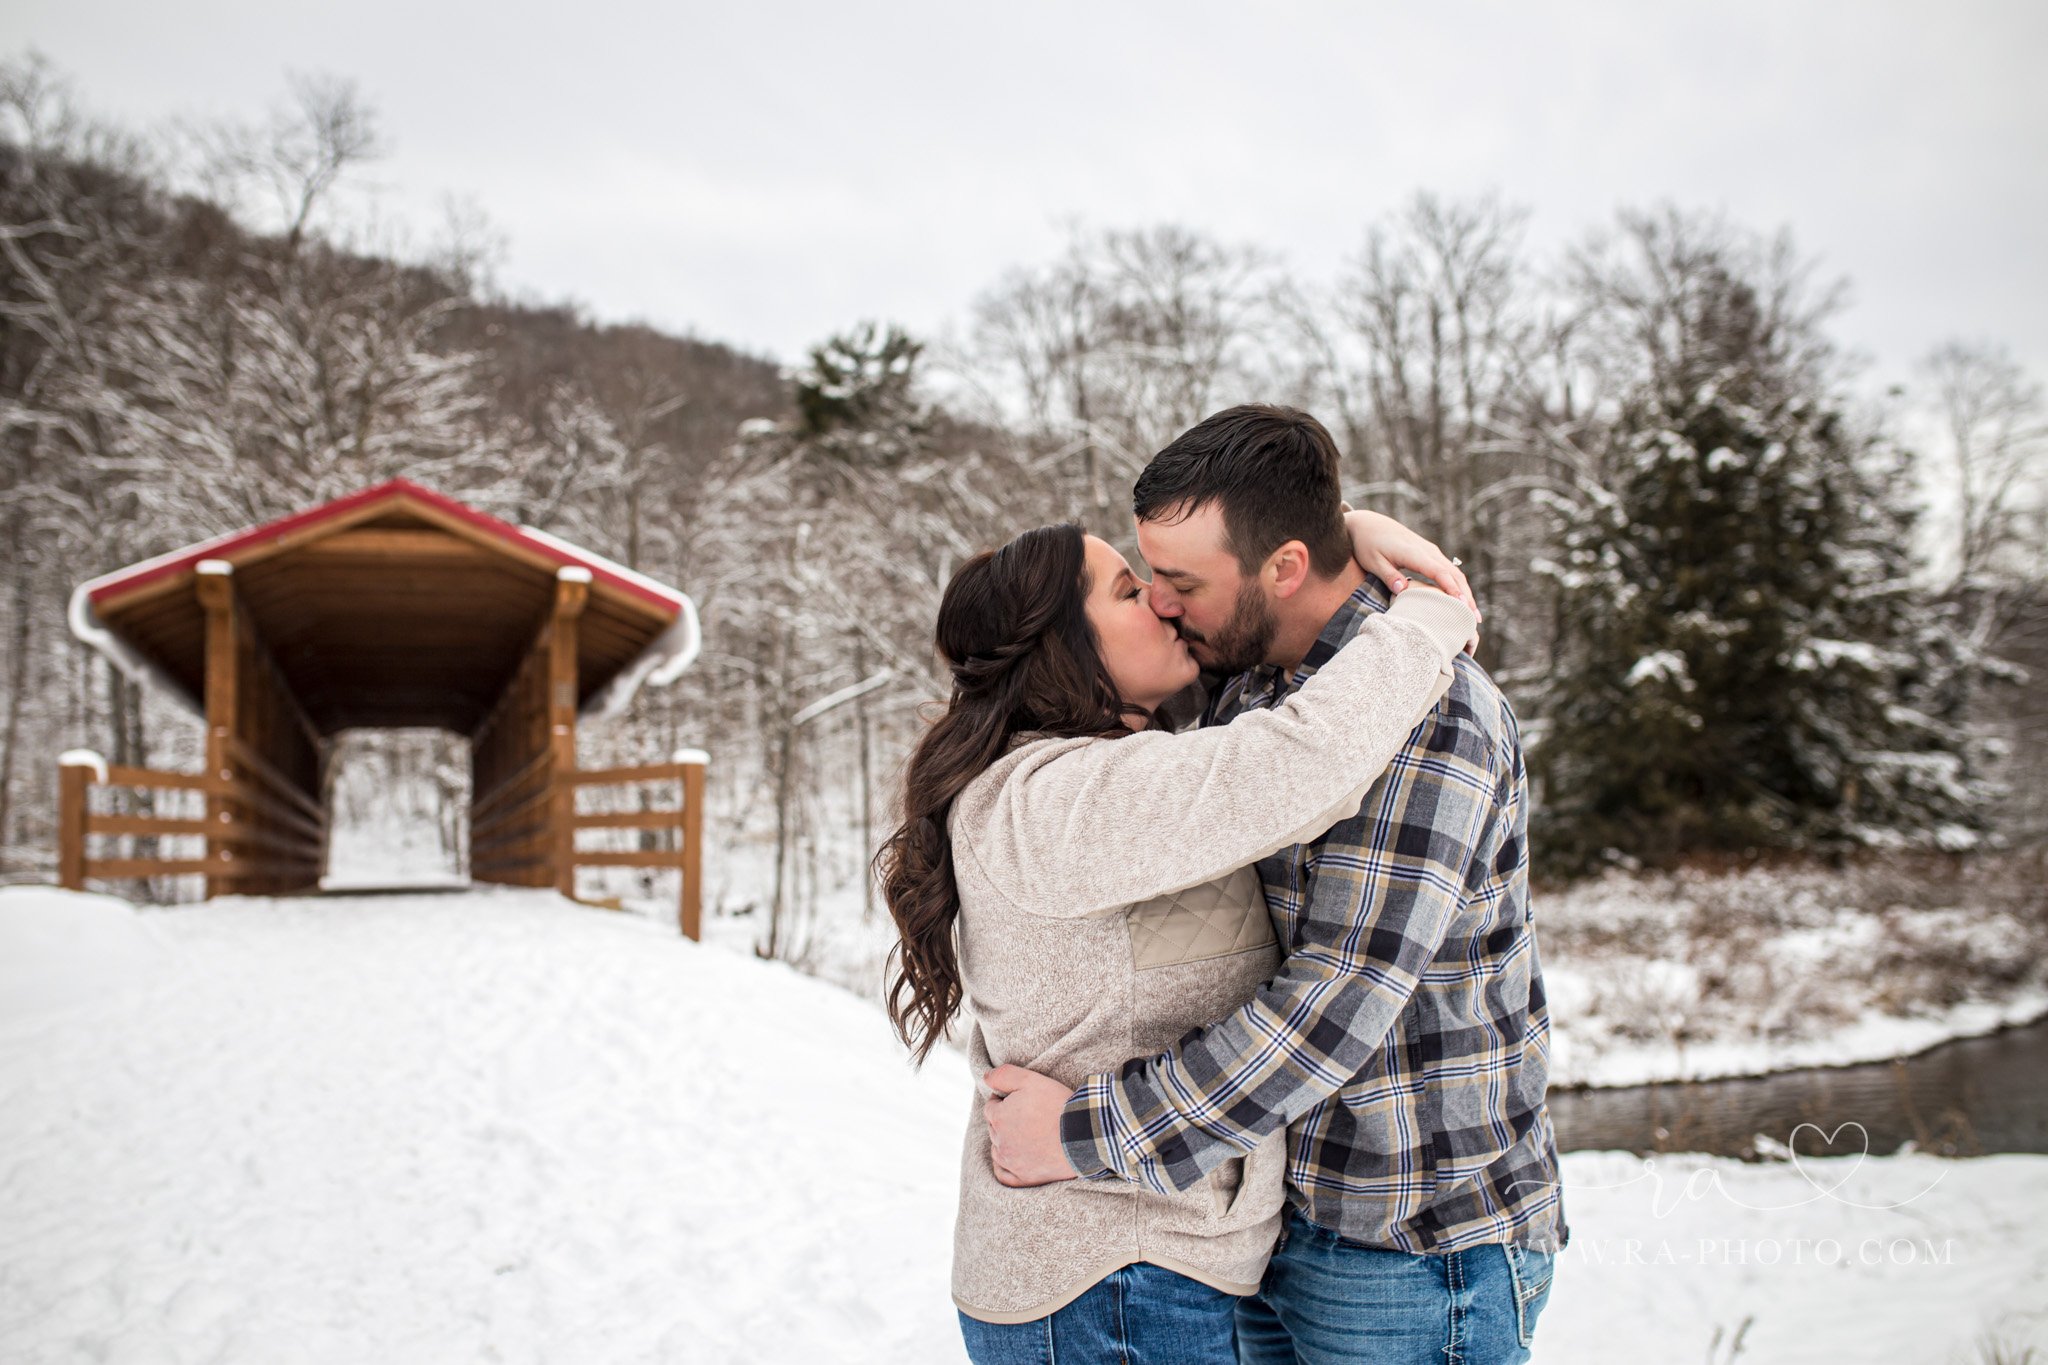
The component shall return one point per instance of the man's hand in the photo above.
(1024, 1127)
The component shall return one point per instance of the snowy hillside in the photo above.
(497, 1126)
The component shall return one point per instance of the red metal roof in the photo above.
(559, 551)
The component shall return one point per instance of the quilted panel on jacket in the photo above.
(1214, 919)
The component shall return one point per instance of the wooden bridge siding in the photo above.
(570, 598)
(529, 739)
(507, 769)
(287, 763)
(273, 827)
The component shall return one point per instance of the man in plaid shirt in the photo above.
(1404, 1043)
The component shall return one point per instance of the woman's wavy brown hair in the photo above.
(1013, 626)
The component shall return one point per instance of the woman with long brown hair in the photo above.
(1076, 876)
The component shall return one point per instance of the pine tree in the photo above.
(1744, 661)
(856, 399)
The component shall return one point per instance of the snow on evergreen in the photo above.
(1744, 659)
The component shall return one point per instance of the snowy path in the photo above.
(497, 1127)
(490, 1127)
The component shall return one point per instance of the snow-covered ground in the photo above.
(499, 1126)
(1688, 976)
(493, 1126)
(1651, 977)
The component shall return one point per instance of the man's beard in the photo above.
(1244, 640)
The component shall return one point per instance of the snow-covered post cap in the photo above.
(573, 573)
(693, 757)
(84, 758)
(213, 567)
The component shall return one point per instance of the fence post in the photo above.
(77, 769)
(690, 910)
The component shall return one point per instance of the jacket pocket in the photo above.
(1250, 1189)
(1226, 1182)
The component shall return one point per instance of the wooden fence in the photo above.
(687, 820)
(283, 846)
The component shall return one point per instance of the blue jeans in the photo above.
(1326, 1300)
(1139, 1315)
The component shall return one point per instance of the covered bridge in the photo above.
(392, 607)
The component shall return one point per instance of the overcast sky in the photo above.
(766, 174)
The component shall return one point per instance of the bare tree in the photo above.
(1990, 493)
(1995, 421)
(36, 104)
(295, 159)
(1442, 333)
(40, 113)
(1129, 337)
(1649, 291)
(1428, 359)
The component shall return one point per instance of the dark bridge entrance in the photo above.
(392, 607)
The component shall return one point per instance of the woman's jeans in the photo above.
(1326, 1300)
(1142, 1314)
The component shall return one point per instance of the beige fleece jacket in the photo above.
(1108, 905)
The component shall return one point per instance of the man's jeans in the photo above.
(1326, 1300)
(1139, 1315)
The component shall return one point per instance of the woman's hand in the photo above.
(1387, 549)
(1024, 1127)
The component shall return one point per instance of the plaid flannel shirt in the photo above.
(1405, 1042)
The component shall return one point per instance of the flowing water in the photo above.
(1965, 1098)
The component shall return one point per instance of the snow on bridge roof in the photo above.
(391, 546)
(286, 529)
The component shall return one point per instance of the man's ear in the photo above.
(1288, 568)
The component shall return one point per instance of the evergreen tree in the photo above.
(856, 399)
(1744, 661)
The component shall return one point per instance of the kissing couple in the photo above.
(1254, 1002)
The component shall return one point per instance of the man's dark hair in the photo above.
(1273, 470)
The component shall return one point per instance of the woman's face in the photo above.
(1145, 655)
